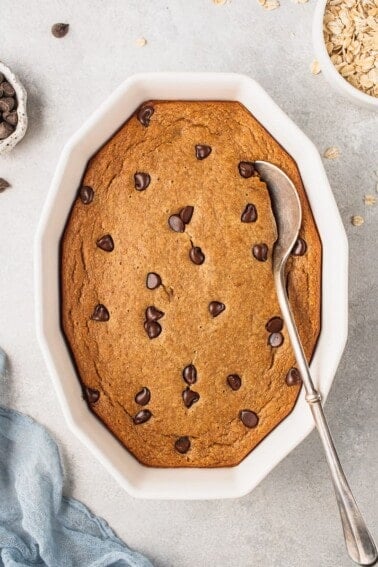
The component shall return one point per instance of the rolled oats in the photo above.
(350, 30)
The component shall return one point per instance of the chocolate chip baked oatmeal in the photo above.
(168, 300)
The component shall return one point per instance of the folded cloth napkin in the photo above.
(38, 525)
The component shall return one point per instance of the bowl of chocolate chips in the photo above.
(13, 118)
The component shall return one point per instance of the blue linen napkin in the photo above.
(38, 525)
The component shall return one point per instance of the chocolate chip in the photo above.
(234, 381)
(186, 214)
(92, 395)
(7, 104)
(246, 169)
(100, 313)
(190, 397)
(182, 445)
(249, 214)
(216, 308)
(5, 130)
(11, 117)
(153, 280)
(59, 30)
(7, 88)
(2, 78)
(106, 243)
(249, 418)
(275, 339)
(274, 325)
(196, 255)
(190, 374)
(152, 328)
(299, 248)
(143, 396)
(293, 377)
(153, 314)
(144, 115)
(142, 416)
(141, 181)
(202, 151)
(176, 224)
(260, 252)
(86, 194)
(3, 184)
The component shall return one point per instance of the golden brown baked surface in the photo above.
(112, 348)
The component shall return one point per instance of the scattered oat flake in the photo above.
(357, 220)
(219, 2)
(271, 4)
(332, 153)
(370, 200)
(315, 67)
(141, 41)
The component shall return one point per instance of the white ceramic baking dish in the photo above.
(137, 479)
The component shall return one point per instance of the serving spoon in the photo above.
(288, 216)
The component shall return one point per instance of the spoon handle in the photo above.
(359, 543)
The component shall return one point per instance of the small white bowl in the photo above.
(341, 85)
(19, 132)
(150, 482)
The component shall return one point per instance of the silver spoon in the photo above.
(288, 215)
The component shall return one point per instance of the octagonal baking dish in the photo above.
(192, 483)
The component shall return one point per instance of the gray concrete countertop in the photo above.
(290, 519)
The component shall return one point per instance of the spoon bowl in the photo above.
(286, 207)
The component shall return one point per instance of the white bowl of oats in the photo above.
(345, 35)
